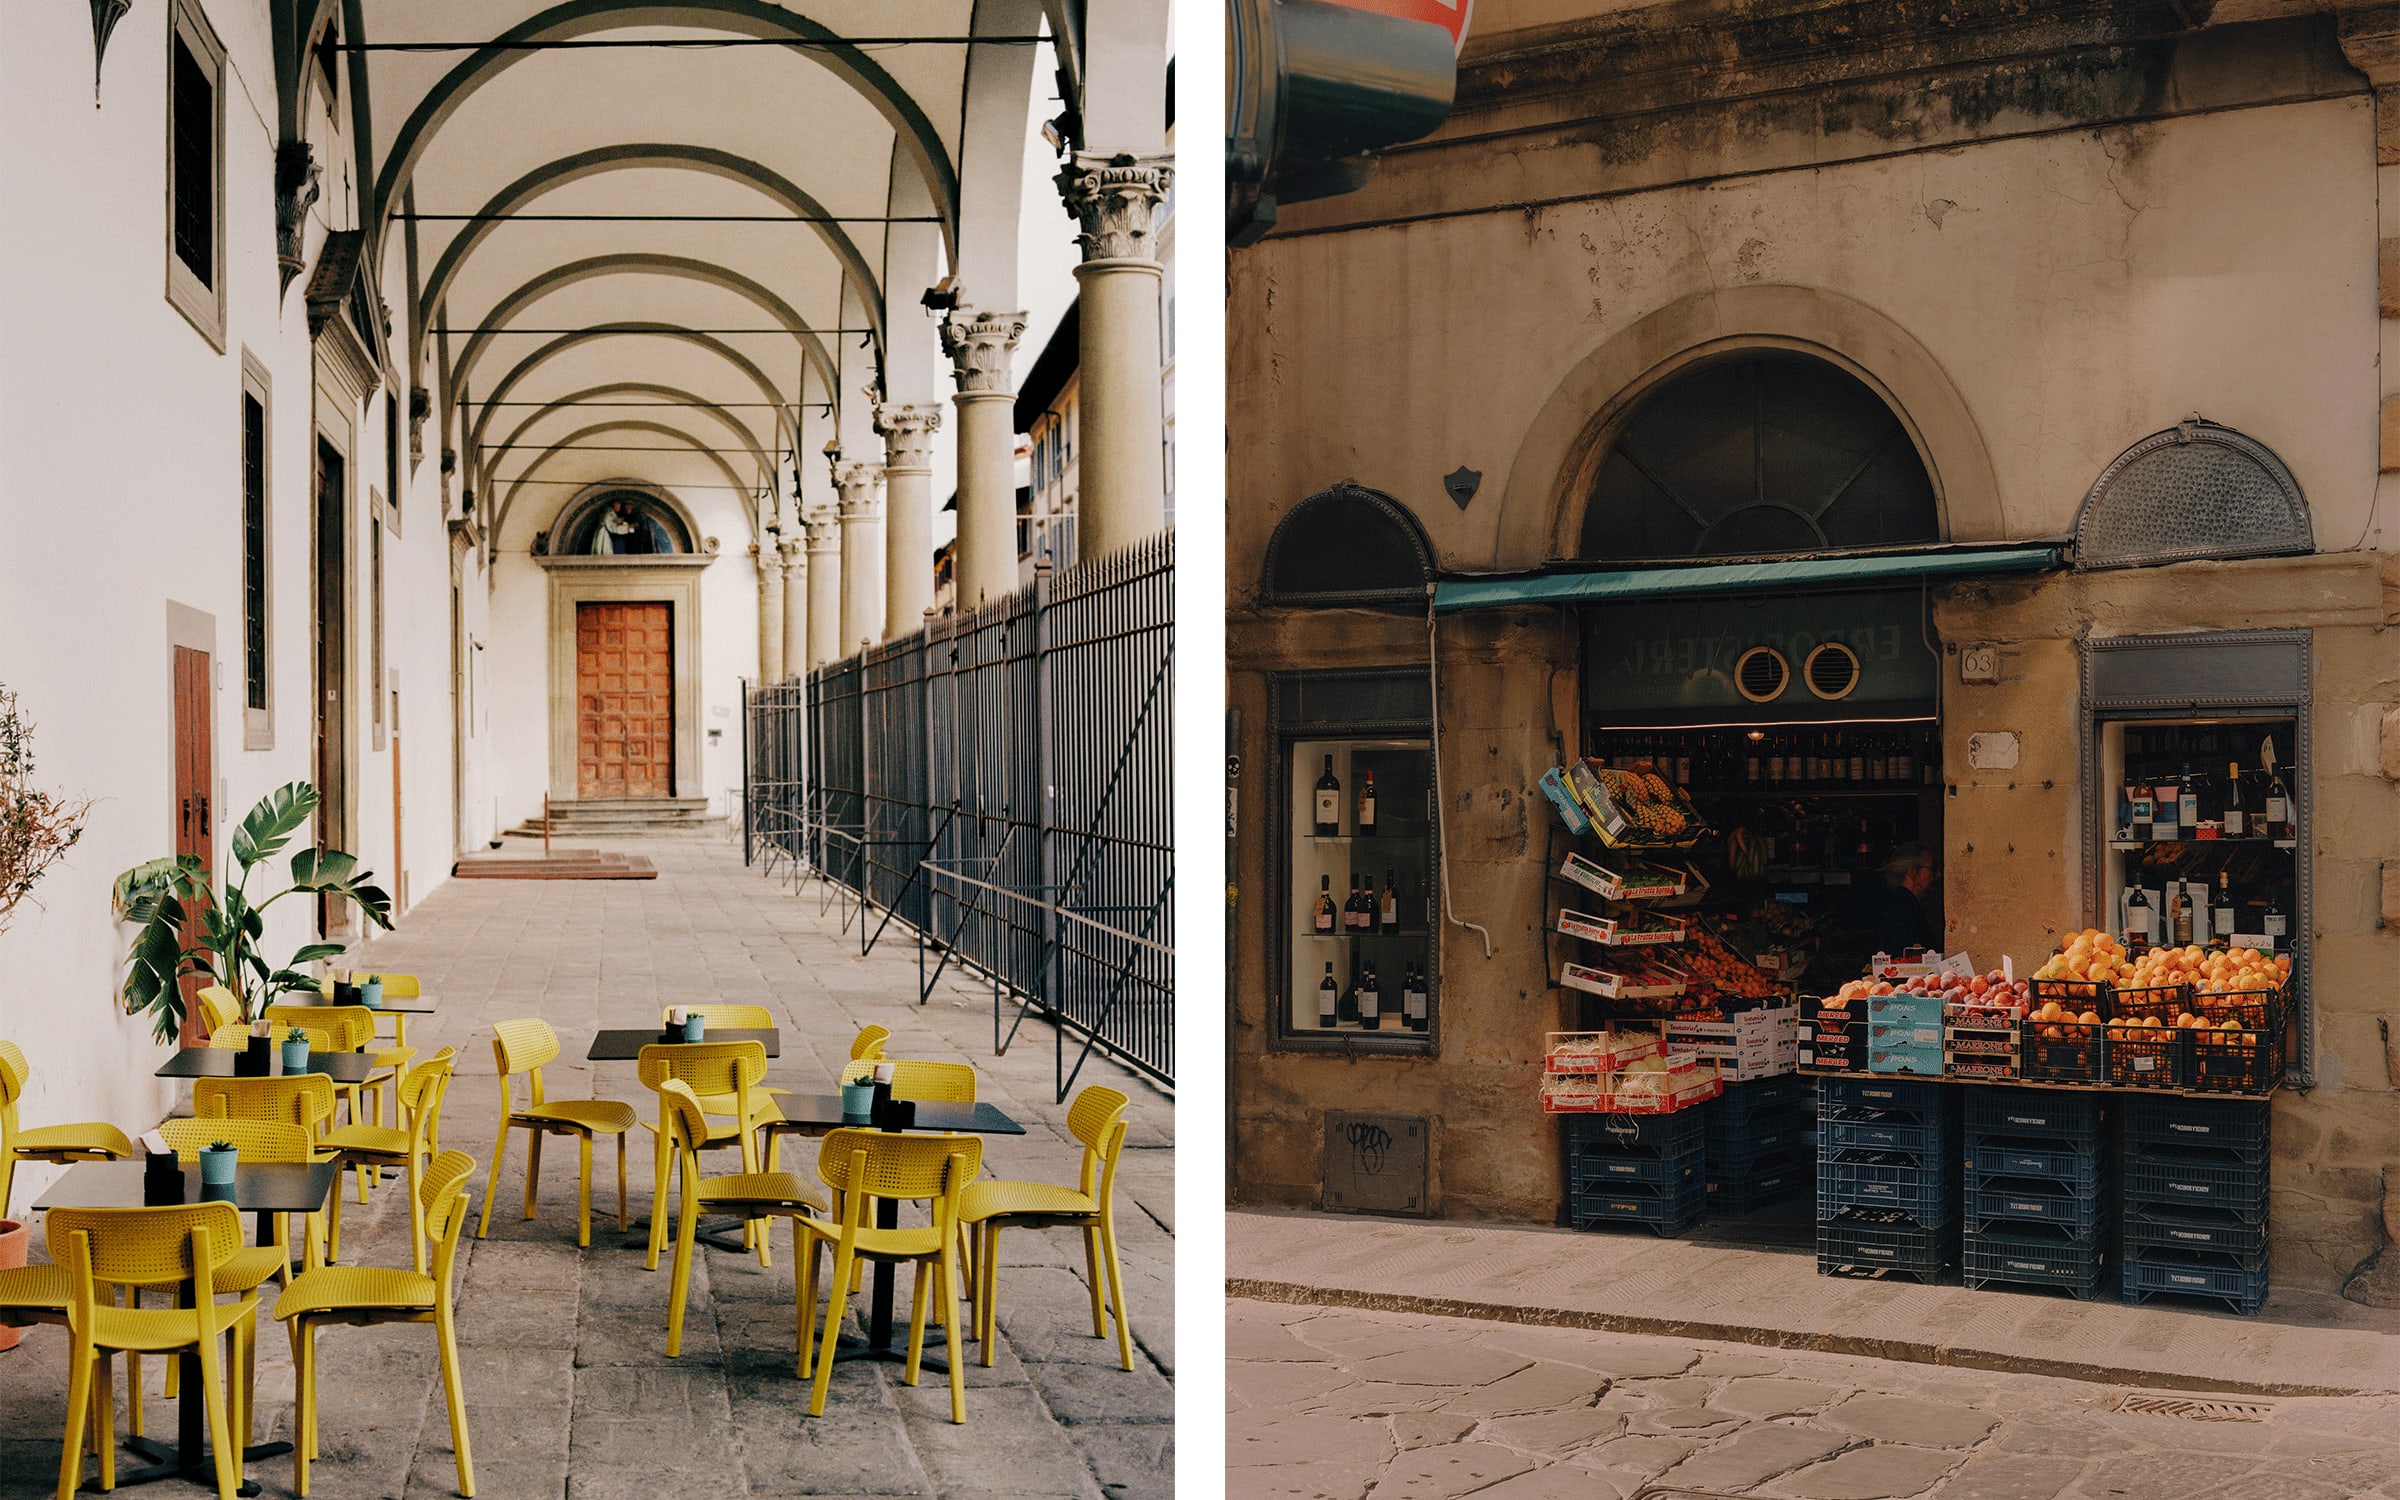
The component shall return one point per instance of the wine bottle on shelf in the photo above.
(1350, 906)
(2278, 809)
(1329, 998)
(1321, 920)
(1329, 803)
(2278, 926)
(1858, 761)
(2179, 915)
(2187, 804)
(2231, 819)
(1904, 763)
(1752, 772)
(2140, 931)
(1370, 999)
(1412, 1000)
(1389, 915)
(1345, 1010)
(2221, 918)
(1366, 807)
(1366, 904)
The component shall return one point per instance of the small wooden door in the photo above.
(195, 784)
(625, 701)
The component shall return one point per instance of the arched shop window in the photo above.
(625, 523)
(1759, 453)
(1348, 545)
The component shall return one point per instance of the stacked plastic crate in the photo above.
(1758, 1144)
(1887, 1177)
(1649, 1170)
(2195, 1186)
(2037, 1190)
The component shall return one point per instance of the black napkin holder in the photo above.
(257, 1058)
(162, 1179)
(670, 1034)
(348, 994)
(890, 1113)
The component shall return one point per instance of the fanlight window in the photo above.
(1348, 545)
(626, 523)
(1761, 453)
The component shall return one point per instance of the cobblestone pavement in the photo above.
(570, 1392)
(1338, 1404)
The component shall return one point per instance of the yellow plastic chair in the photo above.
(261, 1141)
(395, 987)
(523, 1047)
(347, 1028)
(376, 1147)
(218, 1009)
(734, 1017)
(91, 1141)
(756, 1196)
(391, 1058)
(139, 1248)
(724, 1077)
(864, 1165)
(364, 1295)
(1096, 1118)
(867, 1046)
(236, 1036)
(933, 1082)
(302, 1099)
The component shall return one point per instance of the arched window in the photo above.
(1348, 545)
(2194, 490)
(1763, 452)
(625, 523)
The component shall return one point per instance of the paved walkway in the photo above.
(1340, 1404)
(569, 1388)
(2302, 1343)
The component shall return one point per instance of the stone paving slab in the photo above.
(2302, 1343)
(570, 1392)
(1692, 1420)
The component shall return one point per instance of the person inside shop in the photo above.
(1899, 919)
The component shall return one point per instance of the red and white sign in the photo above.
(1450, 15)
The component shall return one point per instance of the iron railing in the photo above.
(909, 781)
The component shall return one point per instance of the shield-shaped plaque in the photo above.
(1462, 482)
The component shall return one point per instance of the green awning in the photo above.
(1451, 595)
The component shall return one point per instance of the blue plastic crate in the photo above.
(1779, 1122)
(1602, 1173)
(1665, 1212)
(1862, 1247)
(1926, 1193)
(2008, 1159)
(2036, 1115)
(2244, 1291)
(1900, 1101)
(2031, 1258)
(1738, 1162)
(2238, 1129)
(2079, 1211)
(1770, 1181)
(1886, 1135)
(2152, 1238)
(1759, 1096)
(2177, 1181)
(1654, 1135)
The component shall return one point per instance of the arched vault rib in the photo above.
(569, 169)
(694, 402)
(642, 262)
(566, 341)
(622, 424)
(752, 18)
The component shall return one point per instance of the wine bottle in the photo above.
(1858, 762)
(1350, 906)
(1345, 1009)
(1752, 772)
(2187, 804)
(1329, 802)
(2140, 932)
(2278, 809)
(2221, 919)
(1370, 999)
(2179, 914)
(1328, 998)
(1904, 764)
(1366, 807)
(1390, 914)
(2230, 818)
(1412, 1000)
(1322, 920)
(1367, 905)
(2278, 926)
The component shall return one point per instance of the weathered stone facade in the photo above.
(2040, 237)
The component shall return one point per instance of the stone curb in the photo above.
(1911, 1351)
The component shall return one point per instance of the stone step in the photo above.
(622, 815)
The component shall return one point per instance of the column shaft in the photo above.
(979, 344)
(908, 515)
(795, 608)
(862, 557)
(1122, 463)
(824, 584)
(770, 612)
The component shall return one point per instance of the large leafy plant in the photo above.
(192, 925)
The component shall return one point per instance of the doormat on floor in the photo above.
(558, 864)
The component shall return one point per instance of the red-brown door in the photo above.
(625, 701)
(195, 785)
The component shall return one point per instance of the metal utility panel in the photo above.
(1378, 1164)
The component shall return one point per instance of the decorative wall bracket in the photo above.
(105, 16)
(298, 179)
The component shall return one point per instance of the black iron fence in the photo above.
(1002, 784)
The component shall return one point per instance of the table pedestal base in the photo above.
(200, 1469)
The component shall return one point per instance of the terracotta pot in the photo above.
(15, 1239)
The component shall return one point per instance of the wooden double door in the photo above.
(624, 700)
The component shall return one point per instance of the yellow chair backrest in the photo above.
(912, 1078)
(395, 986)
(868, 1044)
(881, 1164)
(237, 1035)
(347, 1027)
(422, 1088)
(251, 1140)
(218, 1008)
(709, 1067)
(443, 1192)
(143, 1246)
(739, 1017)
(687, 1126)
(305, 1100)
(1097, 1119)
(13, 1072)
(522, 1047)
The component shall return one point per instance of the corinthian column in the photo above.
(795, 606)
(907, 433)
(862, 555)
(825, 581)
(1121, 476)
(979, 344)
(770, 610)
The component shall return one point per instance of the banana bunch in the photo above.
(1747, 853)
(1647, 801)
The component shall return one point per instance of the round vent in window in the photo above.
(1832, 670)
(1762, 674)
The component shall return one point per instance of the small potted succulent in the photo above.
(370, 992)
(217, 1161)
(295, 1051)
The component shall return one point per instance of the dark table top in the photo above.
(824, 1111)
(258, 1187)
(418, 1006)
(217, 1062)
(627, 1045)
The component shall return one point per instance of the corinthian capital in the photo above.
(1115, 199)
(907, 433)
(979, 344)
(859, 484)
(824, 523)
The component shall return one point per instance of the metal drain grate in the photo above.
(2190, 1410)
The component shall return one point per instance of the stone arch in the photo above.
(1390, 561)
(697, 402)
(582, 164)
(755, 18)
(508, 501)
(565, 341)
(646, 263)
(1542, 502)
(576, 508)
